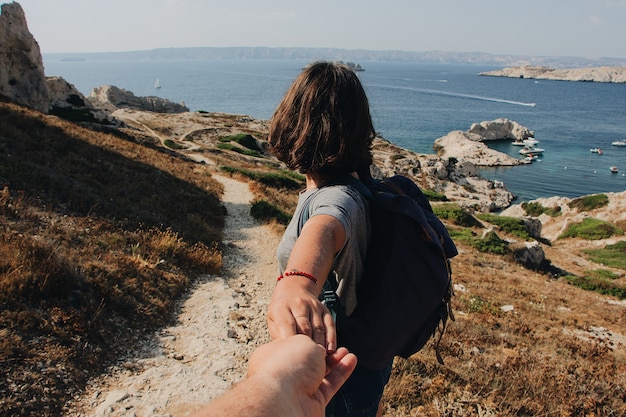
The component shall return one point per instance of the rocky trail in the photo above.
(219, 323)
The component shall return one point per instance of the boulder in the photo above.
(67, 102)
(499, 129)
(530, 255)
(110, 98)
(22, 79)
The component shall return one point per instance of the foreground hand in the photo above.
(304, 371)
(294, 310)
(288, 377)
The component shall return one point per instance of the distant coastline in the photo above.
(603, 74)
(336, 54)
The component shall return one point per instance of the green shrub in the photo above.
(295, 175)
(589, 202)
(434, 196)
(264, 211)
(611, 255)
(172, 145)
(456, 214)
(231, 147)
(245, 140)
(281, 179)
(491, 243)
(535, 209)
(591, 229)
(598, 281)
(510, 225)
(462, 234)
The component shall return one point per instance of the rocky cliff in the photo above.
(111, 98)
(595, 74)
(469, 146)
(22, 78)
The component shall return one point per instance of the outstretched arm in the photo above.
(295, 308)
(290, 377)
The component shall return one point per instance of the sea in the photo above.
(412, 104)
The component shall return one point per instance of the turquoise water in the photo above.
(412, 105)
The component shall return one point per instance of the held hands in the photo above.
(295, 309)
(288, 377)
(306, 375)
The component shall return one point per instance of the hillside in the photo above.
(103, 232)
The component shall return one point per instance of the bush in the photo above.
(245, 140)
(172, 145)
(611, 255)
(456, 214)
(231, 147)
(591, 229)
(600, 281)
(491, 243)
(589, 202)
(510, 225)
(535, 209)
(281, 179)
(264, 211)
(434, 196)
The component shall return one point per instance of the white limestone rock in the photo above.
(22, 79)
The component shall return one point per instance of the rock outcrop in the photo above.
(22, 78)
(465, 147)
(69, 103)
(460, 181)
(469, 147)
(111, 98)
(596, 74)
(499, 129)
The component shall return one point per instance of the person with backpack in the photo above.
(323, 129)
(363, 263)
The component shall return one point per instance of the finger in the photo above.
(319, 330)
(303, 326)
(282, 330)
(331, 333)
(337, 376)
(333, 359)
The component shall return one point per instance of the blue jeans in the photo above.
(360, 395)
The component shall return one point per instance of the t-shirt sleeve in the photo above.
(340, 202)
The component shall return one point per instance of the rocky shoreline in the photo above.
(451, 171)
(594, 74)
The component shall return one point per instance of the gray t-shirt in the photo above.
(347, 205)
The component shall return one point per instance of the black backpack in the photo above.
(404, 294)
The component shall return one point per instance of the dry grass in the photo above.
(99, 237)
(101, 233)
(543, 358)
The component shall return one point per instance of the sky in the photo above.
(583, 28)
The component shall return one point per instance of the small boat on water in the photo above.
(596, 150)
(619, 143)
(530, 141)
(157, 83)
(530, 158)
(614, 169)
(518, 143)
(531, 150)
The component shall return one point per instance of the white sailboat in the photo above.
(157, 83)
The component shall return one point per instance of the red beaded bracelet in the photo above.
(297, 273)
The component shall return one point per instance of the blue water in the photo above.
(412, 105)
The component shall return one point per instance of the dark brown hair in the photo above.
(323, 123)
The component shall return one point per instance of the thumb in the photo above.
(338, 374)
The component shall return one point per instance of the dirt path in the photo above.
(219, 324)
